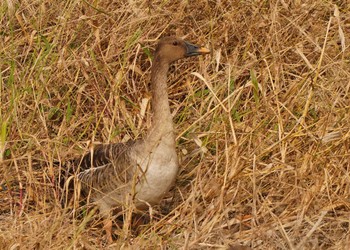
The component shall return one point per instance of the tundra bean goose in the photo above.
(143, 169)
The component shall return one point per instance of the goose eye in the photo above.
(175, 43)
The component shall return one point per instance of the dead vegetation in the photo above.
(263, 122)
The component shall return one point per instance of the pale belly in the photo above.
(159, 172)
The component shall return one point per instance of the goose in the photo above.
(142, 170)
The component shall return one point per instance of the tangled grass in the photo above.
(262, 124)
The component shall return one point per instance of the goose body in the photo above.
(143, 170)
(128, 169)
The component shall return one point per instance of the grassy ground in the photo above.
(262, 123)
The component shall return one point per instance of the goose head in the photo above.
(171, 49)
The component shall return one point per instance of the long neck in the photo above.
(162, 125)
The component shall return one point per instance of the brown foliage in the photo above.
(263, 122)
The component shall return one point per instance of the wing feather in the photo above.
(106, 167)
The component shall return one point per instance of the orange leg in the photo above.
(108, 228)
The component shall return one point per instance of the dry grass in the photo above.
(263, 123)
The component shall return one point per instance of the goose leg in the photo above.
(108, 228)
(107, 221)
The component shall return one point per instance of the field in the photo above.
(262, 123)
